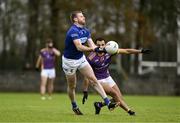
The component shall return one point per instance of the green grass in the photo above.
(27, 107)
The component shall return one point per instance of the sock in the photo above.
(129, 110)
(106, 101)
(74, 105)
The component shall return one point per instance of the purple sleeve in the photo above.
(90, 59)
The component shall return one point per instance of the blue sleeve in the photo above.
(74, 34)
(89, 34)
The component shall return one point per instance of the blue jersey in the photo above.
(74, 33)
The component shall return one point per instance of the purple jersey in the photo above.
(48, 59)
(100, 64)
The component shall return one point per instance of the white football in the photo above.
(111, 47)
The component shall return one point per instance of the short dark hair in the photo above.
(49, 40)
(73, 15)
(99, 39)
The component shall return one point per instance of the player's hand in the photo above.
(100, 50)
(146, 51)
(85, 96)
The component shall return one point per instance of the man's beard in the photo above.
(82, 23)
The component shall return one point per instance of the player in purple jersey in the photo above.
(100, 62)
(73, 59)
(46, 61)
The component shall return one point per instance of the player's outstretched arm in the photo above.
(133, 51)
(128, 51)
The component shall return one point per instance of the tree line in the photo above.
(26, 24)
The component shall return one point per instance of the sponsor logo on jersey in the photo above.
(83, 39)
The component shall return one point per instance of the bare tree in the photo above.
(32, 33)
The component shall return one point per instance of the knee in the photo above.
(113, 93)
(43, 84)
(71, 86)
(92, 78)
(94, 83)
(50, 85)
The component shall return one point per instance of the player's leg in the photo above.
(110, 91)
(71, 82)
(88, 73)
(115, 93)
(70, 68)
(50, 85)
(122, 102)
(71, 86)
(43, 84)
(107, 84)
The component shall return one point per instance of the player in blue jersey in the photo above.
(100, 62)
(46, 61)
(73, 59)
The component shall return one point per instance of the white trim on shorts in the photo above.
(70, 66)
(109, 80)
(49, 73)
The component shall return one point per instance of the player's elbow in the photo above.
(79, 48)
(128, 53)
(58, 53)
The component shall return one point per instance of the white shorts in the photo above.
(50, 73)
(70, 66)
(108, 81)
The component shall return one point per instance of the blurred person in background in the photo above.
(46, 63)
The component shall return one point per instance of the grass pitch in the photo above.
(28, 107)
